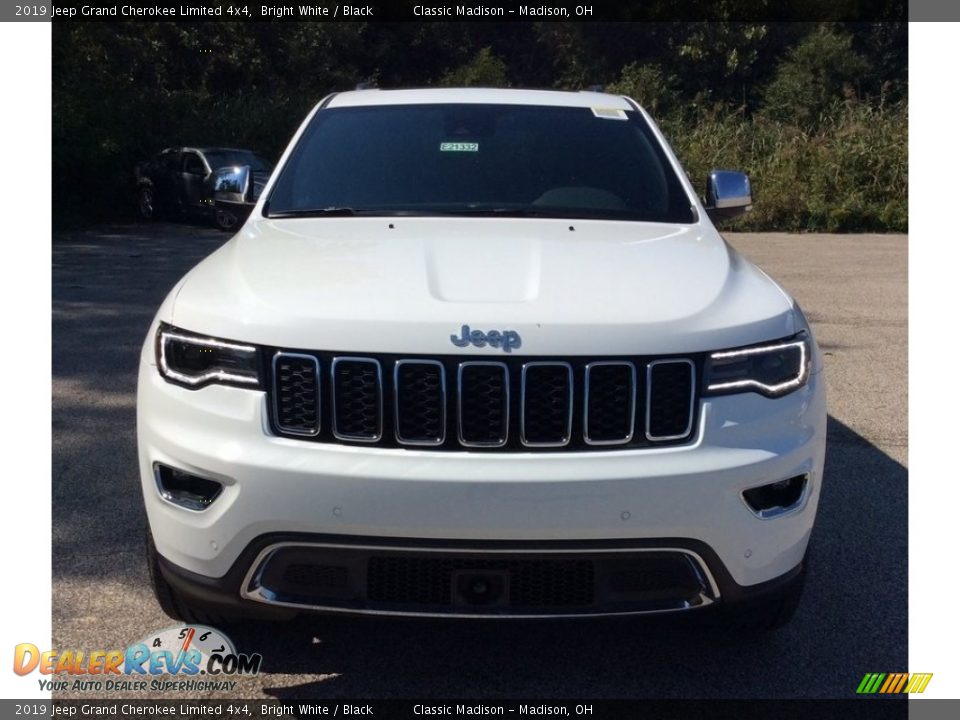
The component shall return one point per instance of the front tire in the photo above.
(146, 203)
(226, 220)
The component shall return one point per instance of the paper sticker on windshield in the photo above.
(609, 113)
(459, 147)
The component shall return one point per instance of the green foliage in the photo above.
(484, 70)
(648, 85)
(850, 174)
(722, 61)
(817, 75)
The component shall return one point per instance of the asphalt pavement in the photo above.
(109, 281)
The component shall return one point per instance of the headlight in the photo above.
(772, 369)
(196, 360)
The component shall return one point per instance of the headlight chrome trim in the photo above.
(802, 341)
(167, 333)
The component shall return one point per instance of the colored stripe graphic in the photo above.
(885, 688)
(900, 683)
(918, 682)
(893, 683)
(875, 683)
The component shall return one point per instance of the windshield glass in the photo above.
(511, 160)
(228, 158)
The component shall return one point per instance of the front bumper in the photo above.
(689, 495)
(249, 587)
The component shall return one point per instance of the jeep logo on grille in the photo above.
(508, 340)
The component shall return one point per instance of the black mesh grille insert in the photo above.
(668, 574)
(308, 576)
(671, 391)
(547, 404)
(420, 403)
(611, 402)
(430, 580)
(409, 580)
(357, 400)
(551, 583)
(297, 394)
(484, 403)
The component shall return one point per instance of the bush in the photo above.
(649, 86)
(816, 75)
(484, 70)
(850, 174)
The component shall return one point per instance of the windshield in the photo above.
(510, 160)
(226, 158)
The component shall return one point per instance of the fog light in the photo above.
(776, 498)
(184, 489)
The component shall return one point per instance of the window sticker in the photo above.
(609, 113)
(459, 147)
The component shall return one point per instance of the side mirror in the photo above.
(728, 194)
(232, 184)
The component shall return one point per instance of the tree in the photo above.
(484, 70)
(649, 86)
(816, 76)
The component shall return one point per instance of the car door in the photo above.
(193, 181)
(166, 178)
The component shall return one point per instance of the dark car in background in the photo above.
(180, 181)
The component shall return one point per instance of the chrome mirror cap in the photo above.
(728, 194)
(232, 184)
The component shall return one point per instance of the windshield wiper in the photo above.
(529, 212)
(557, 213)
(507, 211)
(521, 211)
(317, 212)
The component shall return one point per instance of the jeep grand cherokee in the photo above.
(481, 353)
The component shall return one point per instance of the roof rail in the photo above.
(595, 88)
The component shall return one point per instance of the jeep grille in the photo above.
(453, 403)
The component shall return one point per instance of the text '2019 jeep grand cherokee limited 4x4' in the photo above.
(481, 353)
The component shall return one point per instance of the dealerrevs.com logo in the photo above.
(168, 660)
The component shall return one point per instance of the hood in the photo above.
(567, 287)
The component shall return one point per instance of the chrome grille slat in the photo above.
(463, 399)
(666, 398)
(359, 413)
(296, 405)
(551, 397)
(630, 408)
(401, 414)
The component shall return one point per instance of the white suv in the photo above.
(481, 353)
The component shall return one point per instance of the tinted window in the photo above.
(170, 160)
(509, 159)
(193, 164)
